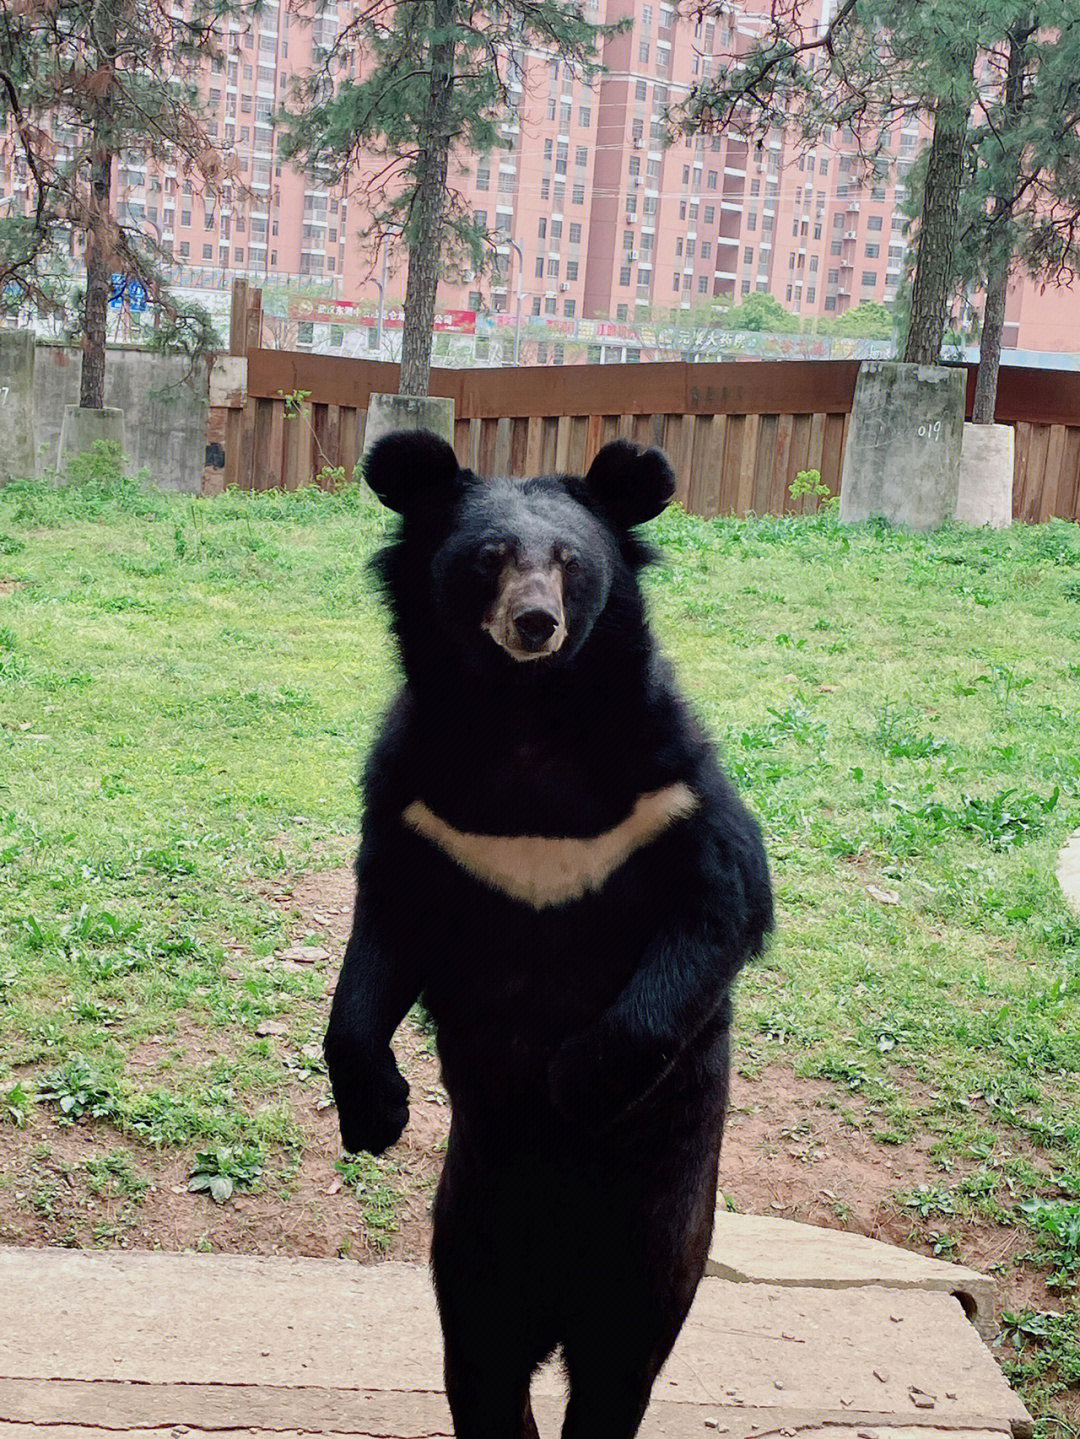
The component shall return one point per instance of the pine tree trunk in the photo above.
(98, 256)
(426, 228)
(96, 305)
(1000, 261)
(986, 385)
(936, 243)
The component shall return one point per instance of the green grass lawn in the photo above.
(187, 688)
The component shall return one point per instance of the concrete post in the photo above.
(387, 413)
(902, 459)
(83, 428)
(17, 459)
(986, 476)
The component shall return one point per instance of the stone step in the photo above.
(751, 1249)
(147, 1342)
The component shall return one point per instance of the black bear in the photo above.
(552, 858)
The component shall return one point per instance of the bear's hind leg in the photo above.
(497, 1328)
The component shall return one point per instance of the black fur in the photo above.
(584, 1046)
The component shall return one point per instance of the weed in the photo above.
(80, 1092)
(220, 1171)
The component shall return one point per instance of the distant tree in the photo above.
(436, 79)
(83, 84)
(761, 312)
(869, 320)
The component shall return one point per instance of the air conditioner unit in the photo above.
(565, 286)
(631, 219)
(632, 256)
(638, 143)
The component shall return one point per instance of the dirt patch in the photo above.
(795, 1148)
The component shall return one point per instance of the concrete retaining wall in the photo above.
(165, 418)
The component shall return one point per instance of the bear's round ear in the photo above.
(631, 484)
(411, 469)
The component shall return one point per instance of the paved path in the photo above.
(179, 1344)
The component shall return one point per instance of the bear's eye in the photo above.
(571, 563)
(489, 559)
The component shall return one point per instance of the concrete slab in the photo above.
(902, 457)
(1068, 870)
(985, 494)
(205, 1342)
(750, 1249)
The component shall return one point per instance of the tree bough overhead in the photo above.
(84, 86)
(407, 92)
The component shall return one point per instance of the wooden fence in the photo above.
(736, 433)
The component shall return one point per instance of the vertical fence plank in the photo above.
(1055, 454)
(234, 427)
(765, 456)
(778, 488)
(714, 464)
(729, 475)
(579, 444)
(321, 454)
(350, 448)
(1020, 460)
(749, 499)
(814, 454)
(1067, 504)
(534, 446)
(549, 445)
(297, 467)
(500, 455)
(594, 440)
(798, 459)
(518, 443)
(1036, 471)
(678, 445)
(832, 452)
(461, 442)
(562, 443)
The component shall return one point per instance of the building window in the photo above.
(622, 313)
(568, 308)
(703, 284)
(624, 275)
(706, 249)
(549, 306)
(830, 302)
(710, 180)
(789, 294)
(575, 233)
(585, 117)
(869, 277)
(539, 267)
(553, 269)
(675, 281)
(873, 251)
(581, 157)
(545, 188)
(710, 214)
(836, 248)
(810, 295)
(208, 252)
(643, 52)
(483, 177)
(571, 269)
(874, 222)
(745, 287)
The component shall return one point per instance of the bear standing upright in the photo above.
(553, 859)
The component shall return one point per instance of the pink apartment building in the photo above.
(593, 218)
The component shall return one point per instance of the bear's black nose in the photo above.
(535, 627)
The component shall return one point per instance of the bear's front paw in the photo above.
(372, 1107)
